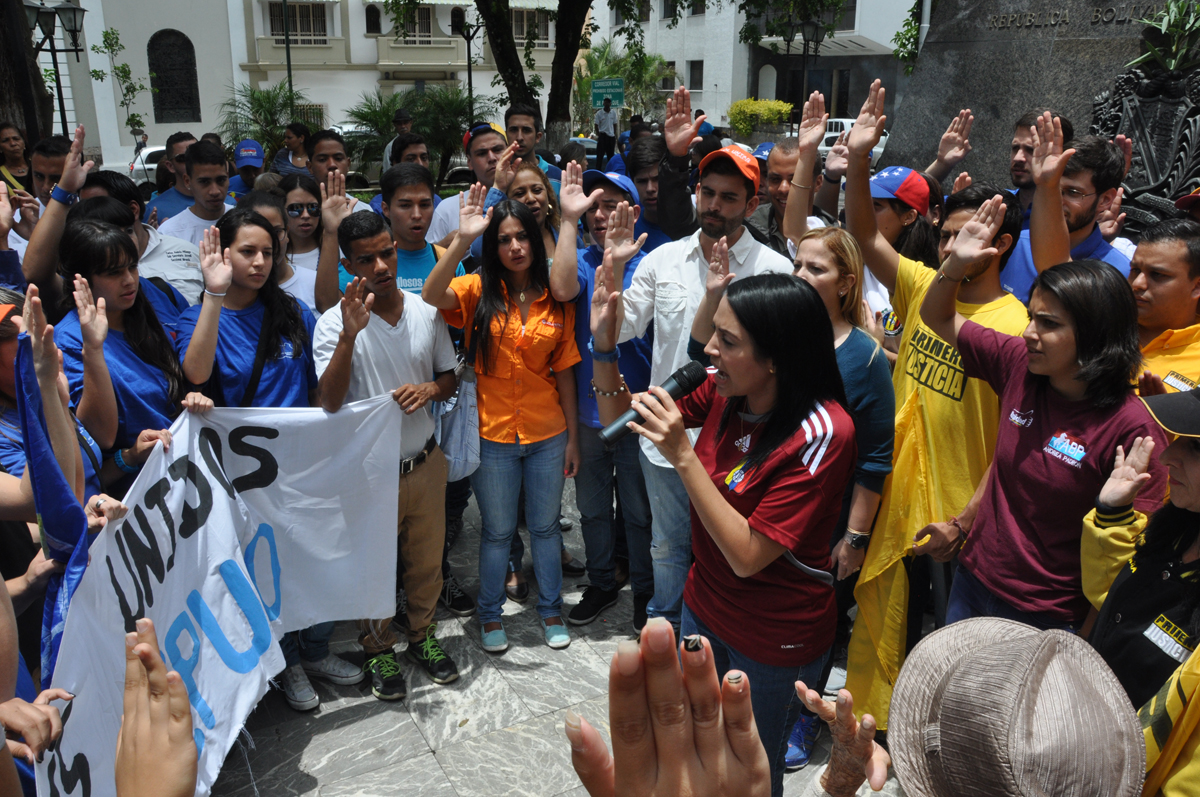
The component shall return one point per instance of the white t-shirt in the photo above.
(445, 220)
(303, 286)
(606, 123)
(176, 261)
(386, 357)
(307, 260)
(15, 241)
(188, 226)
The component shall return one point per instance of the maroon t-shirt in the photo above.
(1052, 458)
(780, 615)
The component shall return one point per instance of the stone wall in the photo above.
(1003, 57)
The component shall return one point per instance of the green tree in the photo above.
(372, 118)
(261, 114)
(643, 74)
(122, 76)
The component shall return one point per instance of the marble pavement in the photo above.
(495, 732)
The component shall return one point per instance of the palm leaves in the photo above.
(643, 73)
(260, 114)
(1172, 38)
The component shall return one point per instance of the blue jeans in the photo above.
(310, 644)
(670, 539)
(970, 598)
(503, 468)
(594, 497)
(772, 692)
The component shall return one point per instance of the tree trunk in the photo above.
(23, 96)
(497, 20)
(568, 32)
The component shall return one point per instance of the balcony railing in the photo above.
(272, 51)
(423, 51)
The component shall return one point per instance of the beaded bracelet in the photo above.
(613, 393)
(120, 460)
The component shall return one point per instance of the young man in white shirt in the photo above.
(159, 256)
(48, 158)
(667, 289)
(178, 197)
(484, 144)
(207, 178)
(606, 133)
(382, 339)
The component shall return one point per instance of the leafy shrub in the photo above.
(745, 115)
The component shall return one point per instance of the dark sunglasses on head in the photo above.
(295, 210)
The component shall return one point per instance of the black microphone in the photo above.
(678, 385)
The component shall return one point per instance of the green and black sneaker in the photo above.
(429, 654)
(387, 681)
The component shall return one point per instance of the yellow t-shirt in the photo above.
(1174, 357)
(945, 437)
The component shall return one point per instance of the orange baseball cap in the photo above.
(745, 162)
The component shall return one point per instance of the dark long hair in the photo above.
(788, 325)
(1169, 533)
(919, 240)
(290, 183)
(1104, 316)
(90, 247)
(492, 300)
(281, 318)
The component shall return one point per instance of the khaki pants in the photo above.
(421, 525)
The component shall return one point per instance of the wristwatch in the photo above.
(857, 541)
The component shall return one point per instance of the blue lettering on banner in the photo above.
(243, 594)
(267, 533)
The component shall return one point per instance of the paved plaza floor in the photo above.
(495, 732)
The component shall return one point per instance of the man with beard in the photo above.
(1022, 154)
(1091, 172)
(667, 289)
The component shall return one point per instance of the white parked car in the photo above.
(835, 127)
(141, 169)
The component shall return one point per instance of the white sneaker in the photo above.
(334, 669)
(298, 690)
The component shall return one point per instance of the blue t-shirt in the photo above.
(143, 401)
(285, 380)
(1019, 272)
(167, 304)
(655, 237)
(12, 451)
(169, 203)
(10, 271)
(238, 187)
(872, 402)
(413, 268)
(615, 164)
(635, 354)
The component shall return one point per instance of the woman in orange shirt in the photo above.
(522, 344)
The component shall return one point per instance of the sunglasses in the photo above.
(296, 210)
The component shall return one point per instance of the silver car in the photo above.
(141, 169)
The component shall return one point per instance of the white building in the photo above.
(719, 70)
(199, 49)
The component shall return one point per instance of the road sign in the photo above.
(612, 88)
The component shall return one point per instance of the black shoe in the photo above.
(454, 527)
(518, 592)
(573, 568)
(594, 601)
(387, 681)
(453, 598)
(640, 602)
(429, 654)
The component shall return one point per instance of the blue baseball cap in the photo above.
(763, 150)
(248, 153)
(620, 181)
(901, 182)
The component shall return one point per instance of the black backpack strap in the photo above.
(83, 443)
(165, 287)
(260, 359)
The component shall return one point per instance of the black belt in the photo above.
(408, 465)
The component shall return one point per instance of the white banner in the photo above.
(255, 523)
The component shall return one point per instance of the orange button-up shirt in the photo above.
(518, 396)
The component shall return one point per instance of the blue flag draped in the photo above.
(61, 518)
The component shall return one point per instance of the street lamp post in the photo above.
(469, 32)
(789, 36)
(287, 49)
(812, 32)
(43, 17)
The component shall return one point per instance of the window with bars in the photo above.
(697, 8)
(374, 20)
(668, 8)
(525, 20)
(312, 115)
(306, 23)
(695, 76)
(643, 10)
(419, 29)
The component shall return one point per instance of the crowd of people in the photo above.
(965, 405)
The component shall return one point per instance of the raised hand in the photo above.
(215, 263)
(605, 299)
(812, 123)
(868, 127)
(718, 276)
(93, 321)
(153, 220)
(1129, 474)
(41, 337)
(961, 183)
(356, 303)
(572, 202)
(156, 753)
(1049, 158)
(1111, 220)
(335, 205)
(680, 131)
(1151, 384)
(1126, 144)
(30, 210)
(855, 756)
(838, 158)
(75, 171)
(619, 237)
(472, 220)
(955, 144)
(974, 241)
(505, 168)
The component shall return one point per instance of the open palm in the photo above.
(93, 321)
(214, 263)
(974, 241)
(812, 123)
(572, 201)
(1129, 473)
(868, 127)
(619, 238)
(472, 220)
(1049, 158)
